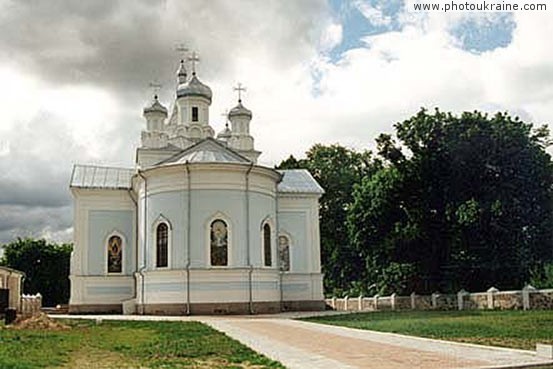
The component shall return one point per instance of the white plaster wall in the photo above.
(210, 285)
(302, 286)
(298, 218)
(96, 214)
(98, 290)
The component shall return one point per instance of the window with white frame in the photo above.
(267, 260)
(162, 245)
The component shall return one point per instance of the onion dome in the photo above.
(155, 107)
(194, 88)
(181, 73)
(225, 133)
(240, 110)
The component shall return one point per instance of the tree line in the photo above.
(447, 202)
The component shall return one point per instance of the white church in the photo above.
(197, 226)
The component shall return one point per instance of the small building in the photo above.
(10, 288)
(197, 226)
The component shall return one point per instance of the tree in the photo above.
(46, 266)
(469, 205)
(337, 169)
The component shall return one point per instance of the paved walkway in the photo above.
(298, 344)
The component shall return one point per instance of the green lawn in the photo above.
(516, 329)
(126, 345)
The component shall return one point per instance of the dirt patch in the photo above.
(88, 358)
(220, 364)
(40, 321)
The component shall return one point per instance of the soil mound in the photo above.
(40, 321)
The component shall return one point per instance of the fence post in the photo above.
(393, 300)
(460, 296)
(490, 295)
(360, 302)
(526, 291)
(346, 303)
(333, 302)
(435, 296)
(413, 301)
(375, 299)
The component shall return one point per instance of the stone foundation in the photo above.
(96, 309)
(229, 308)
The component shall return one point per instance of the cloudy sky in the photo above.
(75, 78)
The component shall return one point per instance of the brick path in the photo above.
(299, 344)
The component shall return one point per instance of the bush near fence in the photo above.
(528, 298)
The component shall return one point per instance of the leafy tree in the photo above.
(337, 169)
(468, 205)
(45, 264)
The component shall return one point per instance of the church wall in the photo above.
(262, 209)
(98, 213)
(103, 223)
(294, 224)
(230, 205)
(170, 207)
(299, 219)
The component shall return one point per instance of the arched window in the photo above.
(267, 245)
(115, 254)
(284, 253)
(162, 243)
(219, 243)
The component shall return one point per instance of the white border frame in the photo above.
(115, 232)
(269, 221)
(162, 219)
(290, 258)
(222, 216)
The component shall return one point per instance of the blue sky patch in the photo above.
(355, 25)
(481, 34)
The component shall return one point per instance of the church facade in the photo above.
(197, 227)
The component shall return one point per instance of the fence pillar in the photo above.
(360, 302)
(346, 299)
(460, 297)
(490, 295)
(413, 301)
(333, 302)
(375, 299)
(435, 296)
(526, 291)
(393, 300)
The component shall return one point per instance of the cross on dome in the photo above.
(193, 59)
(156, 87)
(225, 114)
(181, 49)
(239, 88)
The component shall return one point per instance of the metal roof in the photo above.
(298, 181)
(91, 176)
(206, 151)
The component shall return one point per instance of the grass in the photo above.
(515, 329)
(126, 345)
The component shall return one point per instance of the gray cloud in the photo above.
(120, 46)
(124, 44)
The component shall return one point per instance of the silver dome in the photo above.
(194, 88)
(226, 133)
(155, 107)
(240, 110)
